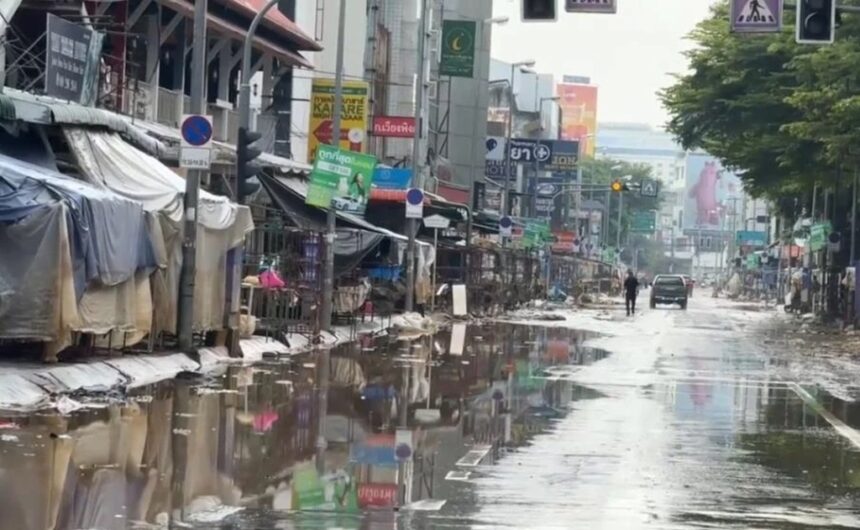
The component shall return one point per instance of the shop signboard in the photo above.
(341, 180)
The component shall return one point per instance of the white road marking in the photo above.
(474, 457)
(838, 425)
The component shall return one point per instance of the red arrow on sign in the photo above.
(324, 130)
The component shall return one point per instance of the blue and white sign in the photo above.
(506, 226)
(195, 150)
(392, 178)
(559, 156)
(414, 203)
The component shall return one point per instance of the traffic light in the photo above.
(539, 10)
(619, 186)
(816, 21)
(246, 167)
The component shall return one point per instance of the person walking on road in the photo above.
(631, 290)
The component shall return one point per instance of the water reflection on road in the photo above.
(324, 441)
(247, 440)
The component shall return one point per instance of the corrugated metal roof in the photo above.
(47, 110)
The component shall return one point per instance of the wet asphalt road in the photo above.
(705, 418)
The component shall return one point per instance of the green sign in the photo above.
(644, 222)
(536, 234)
(752, 261)
(341, 180)
(458, 48)
(818, 235)
(332, 492)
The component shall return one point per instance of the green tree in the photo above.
(602, 172)
(739, 103)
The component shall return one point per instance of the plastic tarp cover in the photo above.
(108, 235)
(37, 293)
(107, 160)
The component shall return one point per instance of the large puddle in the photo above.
(467, 428)
(317, 441)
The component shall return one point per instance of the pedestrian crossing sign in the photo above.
(756, 16)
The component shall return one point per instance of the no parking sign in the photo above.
(414, 203)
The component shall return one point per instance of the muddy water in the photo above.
(251, 446)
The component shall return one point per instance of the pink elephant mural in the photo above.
(704, 193)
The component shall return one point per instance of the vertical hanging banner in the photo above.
(757, 16)
(72, 62)
(353, 121)
(458, 48)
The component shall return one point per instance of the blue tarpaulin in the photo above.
(107, 233)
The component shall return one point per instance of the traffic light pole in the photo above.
(618, 231)
(185, 316)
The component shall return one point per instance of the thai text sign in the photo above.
(353, 124)
(341, 180)
(71, 66)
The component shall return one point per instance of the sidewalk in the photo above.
(31, 386)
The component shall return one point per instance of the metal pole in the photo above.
(185, 317)
(508, 134)
(435, 261)
(854, 220)
(618, 232)
(417, 181)
(331, 229)
(245, 85)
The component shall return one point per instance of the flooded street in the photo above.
(671, 419)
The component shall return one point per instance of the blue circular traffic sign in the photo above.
(415, 196)
(506, 222)
(403, 452)
(196, 130)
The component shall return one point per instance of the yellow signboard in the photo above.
(353, 122)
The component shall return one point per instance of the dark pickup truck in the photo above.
(669, 289)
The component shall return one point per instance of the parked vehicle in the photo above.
(669, 289)
(689, 282)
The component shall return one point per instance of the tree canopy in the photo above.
(780, 114)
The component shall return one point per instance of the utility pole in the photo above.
(331, 220)
(854, 220)
(417, 180)
(185, 318)
(618, 232)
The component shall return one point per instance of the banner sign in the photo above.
(353, 125)
(458, 48)
(394, 126)
(818, 235)
(341, 180)
(751, 238)
(557, 156)
(392, 178)
(565, 242)
(72, 63)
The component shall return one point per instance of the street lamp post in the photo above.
(537, 168)
(479, 137)
(506, 201)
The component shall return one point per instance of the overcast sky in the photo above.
(630, 55)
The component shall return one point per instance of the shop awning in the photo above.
(290, 193)
(47, 110)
